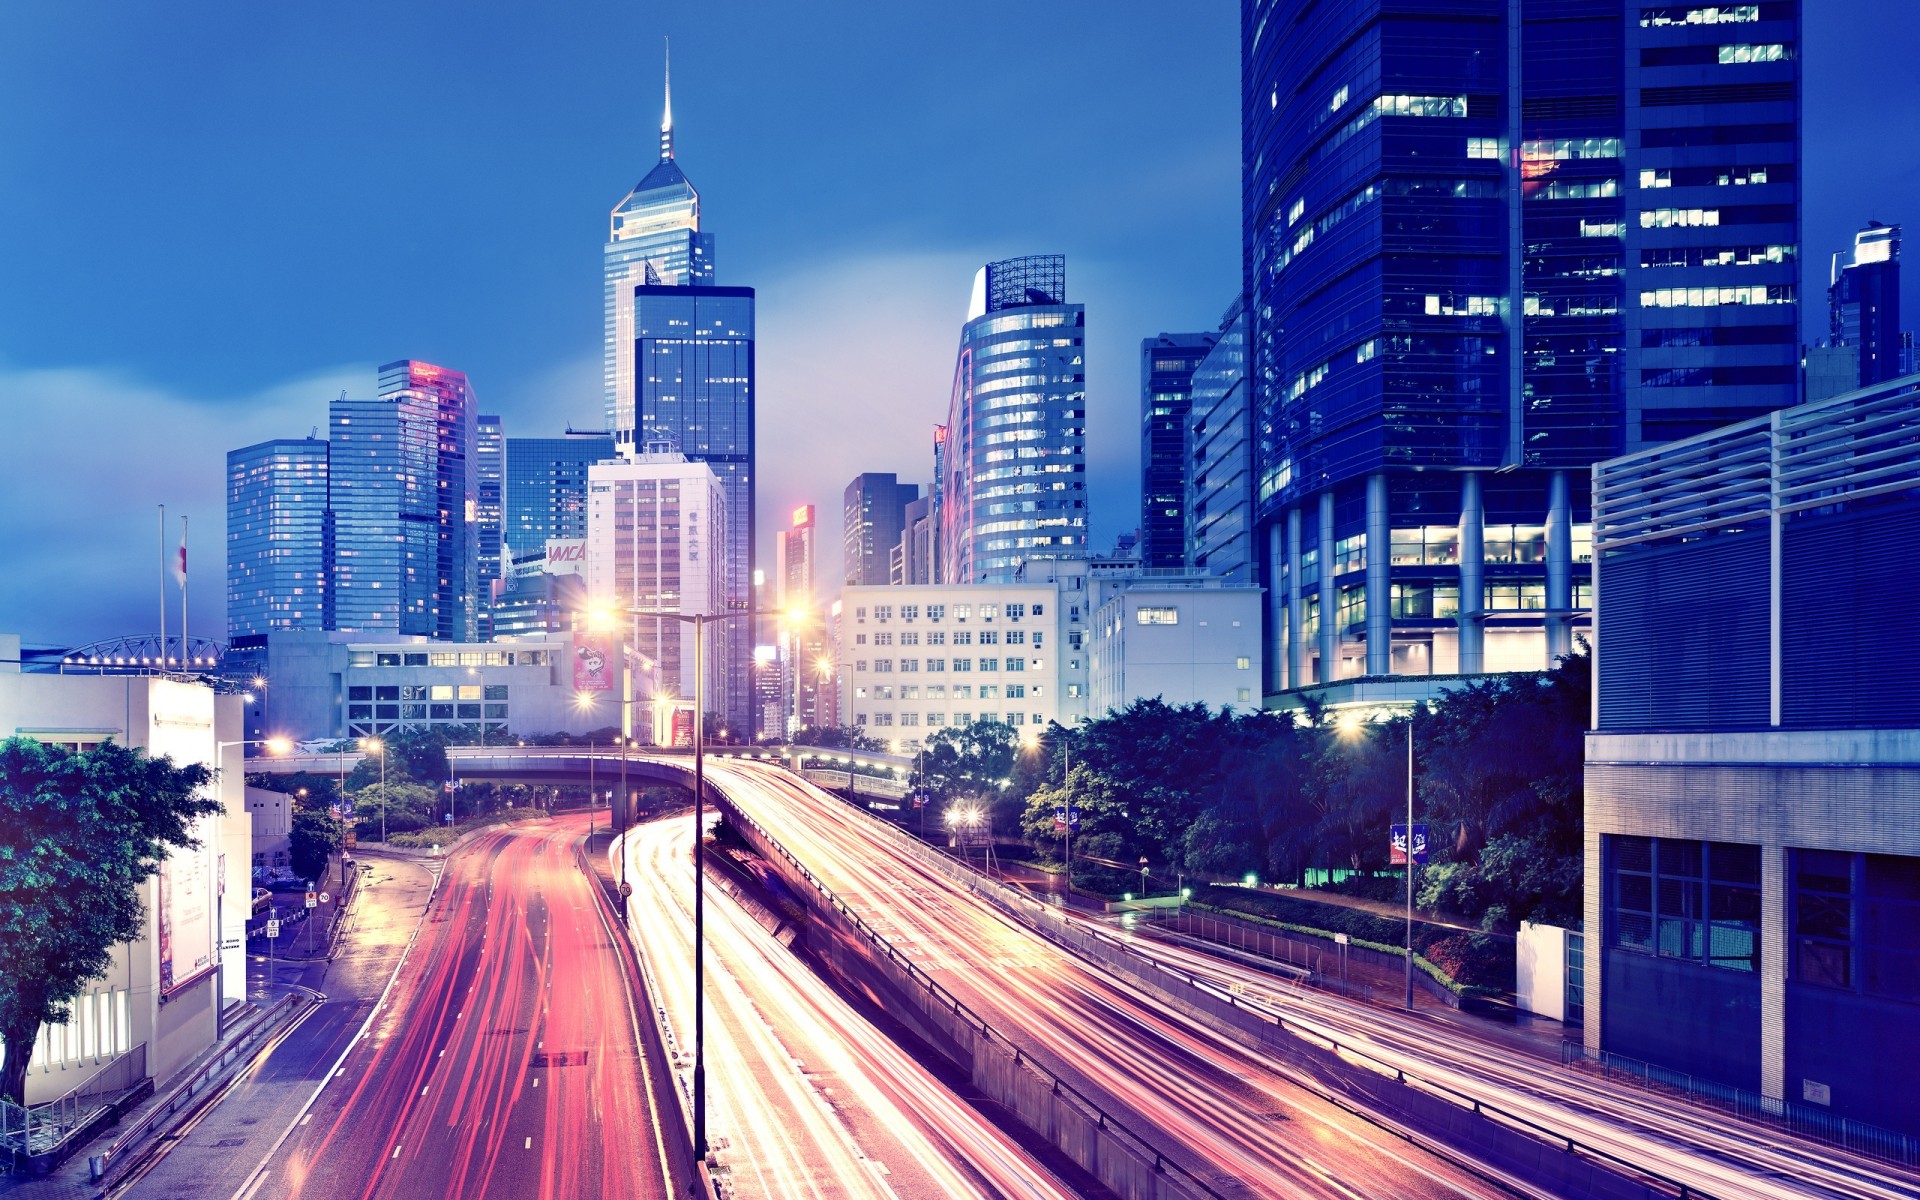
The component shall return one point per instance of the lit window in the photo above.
(1748, 53)
(1157, 615)
(1243, 663)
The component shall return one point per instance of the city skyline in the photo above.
(515, 303)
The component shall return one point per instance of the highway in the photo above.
(504, 1060)
(1220, 1111)
(807, 1098)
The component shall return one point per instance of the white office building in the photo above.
(158, 1002)
(1183, 638)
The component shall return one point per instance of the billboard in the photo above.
(593, 663)
(180, 726)
(566, 556)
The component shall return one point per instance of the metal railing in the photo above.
(1844, 1133)
(38, 1128)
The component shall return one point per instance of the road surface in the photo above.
(505, 1059)
(807, 1098)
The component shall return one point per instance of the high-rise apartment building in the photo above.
(1486, 245)
(657, 533)
(1167, 364)
(873, 515)
(1013, 455)
(653, 239)
(1219, 500)
(455, 583)
(1863, 302)
(277, 537)
(546, 489)
(489, 480)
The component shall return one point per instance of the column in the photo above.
(1296, 650)
(1773, 971)
(1593, 888)
(1329, 601)
(1559, 569)
(1473, 589)
(1379, 579)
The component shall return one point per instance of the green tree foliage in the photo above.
(321, 790)
(414, 753)
(408, 806)
(82, 832)
(974, 763)
(837, 737)
(312, 842)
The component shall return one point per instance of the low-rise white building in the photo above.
(162, 993)
(1184, 639)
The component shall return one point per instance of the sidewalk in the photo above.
(304, 933)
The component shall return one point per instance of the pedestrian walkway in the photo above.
(304, 933)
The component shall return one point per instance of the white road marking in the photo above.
(529, 1145)
(423, 1091)
(536, 1081)
(305, 1119)
(396, 1152)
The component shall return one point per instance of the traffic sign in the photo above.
(313, 899)
(326, 897)
(273, 929)
(626, 889)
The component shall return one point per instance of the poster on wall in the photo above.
(593, 664)
(180, 727)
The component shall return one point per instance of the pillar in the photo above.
(1329, 600)
(1773, 972)
(1559, 569)
(1379, 578)
(1296, 650)
(1473, 589)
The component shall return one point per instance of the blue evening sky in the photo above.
(215, 216)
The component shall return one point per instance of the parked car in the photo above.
(261, 899)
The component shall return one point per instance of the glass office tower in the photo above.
(873, 516)
(454, 584)
(546, 489)
(1863, 304)
(1219, 504)
(1014, 451)
(490, 468)
(654, 239)
(1167, 364)
(1487, 243)
(693, 356)
(276, 537)
(382, 500)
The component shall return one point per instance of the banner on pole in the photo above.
(1397, 854)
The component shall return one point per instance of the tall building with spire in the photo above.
(653, 239)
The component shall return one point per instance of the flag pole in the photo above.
(186, 646)
(163, 587)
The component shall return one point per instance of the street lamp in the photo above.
(1349, 725)
(374, 745)
(700, 621)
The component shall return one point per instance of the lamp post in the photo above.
(277, 745)
(700, 621)
(374, 745)
(1349, 725)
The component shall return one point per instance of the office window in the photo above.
(909, 664)
(987, 611)
(963, 638)
(1016, 664)
(1015, 612)
(1246, 694)
(883, 639)
(909, 718)
(1018, 637)
(963, 691)
(1244, 663)
(496, 691)
(471, 691)
(909, 612)
(936, 691)
(440, 691)
(1039, 610)
(989, 664)
(1157, 615)
(936, 664)
(936, 612)
(935, 718)
(1016, 691)
(883, 719)
(1694, 901)
(859, 639)
(909, 639)
(989, 637)
(963, 664)
(882, 665)
(962, 611)
(883, 612)
(359, 693)
(989, 691)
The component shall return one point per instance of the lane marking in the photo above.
(305, 1119)
(396, 1152)
(423, 1091)
(529, 1144)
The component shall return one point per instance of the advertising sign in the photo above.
(1064, 816)
(180, 726)
(566, 556)
(683, 727)
(593, 664)
(1397, 854)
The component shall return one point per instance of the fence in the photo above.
(1831, 1128)
(41, 1127)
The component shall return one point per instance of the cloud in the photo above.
(87, 455)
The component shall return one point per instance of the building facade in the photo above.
(162, 993)
(1863, 305)
(873, 514)
(277, 537)
(453, 586)
(915, 558)
(1753, 777)
(694, 350)
(653, 238)
(1013, 453)
(1219, 502)
(546, 489)
(489, 486)
(1487, 245)
(1167, 364)
(1183, 639)
(657, 532)
(383, 504)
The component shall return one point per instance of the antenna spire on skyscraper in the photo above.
(666, 115)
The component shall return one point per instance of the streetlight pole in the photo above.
(1410, 860)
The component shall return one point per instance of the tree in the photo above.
(311, 792)
(312, 843)
(836, 737)
(408, 806)
(83, 832)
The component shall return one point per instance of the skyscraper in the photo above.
(381, 499)
(873, 513)
(1863, 302)
(546, 489)
(1014, 454)
(276, 537)
(1219, 506)
(695, 391)
(455, 583)
(654, 239)
(1167, 364)
(1473, 269)
(489, 475)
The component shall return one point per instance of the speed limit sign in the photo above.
(626, 889)
(326, 897)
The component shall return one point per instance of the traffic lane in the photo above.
(1230, 1113)
(455, 1091)
(226, 1145)
(900, 1121)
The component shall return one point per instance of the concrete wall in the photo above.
(1540, 965)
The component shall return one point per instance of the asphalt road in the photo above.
(504, 1061)
(1227, 1115)
(807, 1097)
(217, 1152)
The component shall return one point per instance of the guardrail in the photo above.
(1842, 1132)
(39, 1129)
(1078, 938)
(1058, 1085)
(194, 1087)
